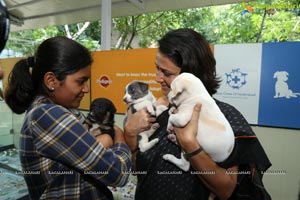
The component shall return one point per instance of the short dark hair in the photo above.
(60, 55)
(4, 25)
(190, 51)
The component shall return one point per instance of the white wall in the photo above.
(282, 147)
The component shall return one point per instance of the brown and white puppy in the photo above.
(100, 118)
(138, 96)
(215, 134)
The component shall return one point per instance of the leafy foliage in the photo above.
(256, 21)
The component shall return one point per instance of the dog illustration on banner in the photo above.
(281, 86)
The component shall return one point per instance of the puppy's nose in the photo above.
(125, 100)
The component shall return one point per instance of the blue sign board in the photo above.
(279, 102)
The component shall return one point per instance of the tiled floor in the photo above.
(126, 192)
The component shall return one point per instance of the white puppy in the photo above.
(138, 96)
(214, 134)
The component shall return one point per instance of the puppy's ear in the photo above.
(181, 85)
(144, 86)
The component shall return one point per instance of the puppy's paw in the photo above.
(155, 126)
(146, 146)
(152, 113)
(151, 110)
(154, 141)
(168, 157)
(170, 129)
(172, 137)
(172, 110)
(160, 109)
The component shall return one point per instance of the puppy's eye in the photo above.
(132, 90)
(177, 95)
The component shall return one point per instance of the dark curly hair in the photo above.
(191, 52)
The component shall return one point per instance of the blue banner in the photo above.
(279, 103)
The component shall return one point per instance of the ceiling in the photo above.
(31, 14)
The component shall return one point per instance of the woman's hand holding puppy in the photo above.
(136, 123)
(186, 136)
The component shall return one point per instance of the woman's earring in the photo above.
(52, 88)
